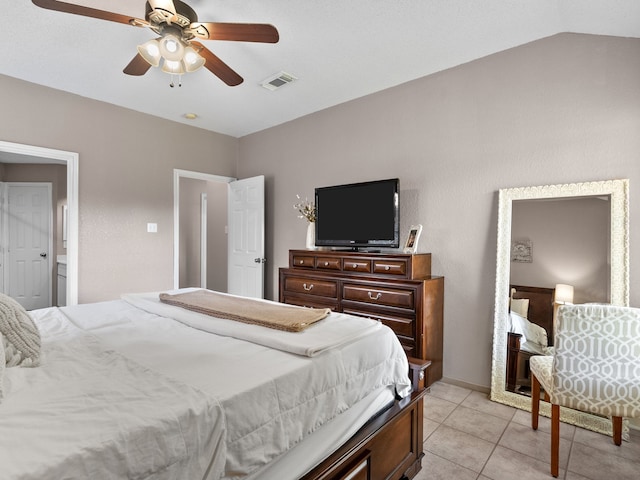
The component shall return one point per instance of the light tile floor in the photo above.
(467, 436)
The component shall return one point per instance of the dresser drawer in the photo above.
(356, 265)
(390, 267)
(311, 286)
(327, 263)
(310, 301)
(392, 297)
(303, 261)
(404, 327)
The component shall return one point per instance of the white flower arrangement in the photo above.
(306, 209)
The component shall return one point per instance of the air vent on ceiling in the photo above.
(278, 80)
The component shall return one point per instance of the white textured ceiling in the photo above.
(339, 50)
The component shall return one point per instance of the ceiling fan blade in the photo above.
(216, 66)
(138, 66)
(238, 32)
(89, 12)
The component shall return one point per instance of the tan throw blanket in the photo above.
(247, 310)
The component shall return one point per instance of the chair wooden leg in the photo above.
(555, 439)
(535, 401)
(617, 430)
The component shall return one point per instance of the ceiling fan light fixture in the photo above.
(171, 48)
(175, 67)
(150, 51)
(192, 59)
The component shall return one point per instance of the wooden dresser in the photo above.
(395, 288)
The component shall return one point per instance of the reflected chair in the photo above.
(595, 368)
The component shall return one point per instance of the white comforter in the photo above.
(258, 401)
(91, 413)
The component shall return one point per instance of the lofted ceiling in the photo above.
(339, 50)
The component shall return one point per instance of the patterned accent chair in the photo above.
(596, 368)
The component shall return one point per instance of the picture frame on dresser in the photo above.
(411, 245)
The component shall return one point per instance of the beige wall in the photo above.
(217, 250)
(126, 162)
(190, 231)
(562, 109)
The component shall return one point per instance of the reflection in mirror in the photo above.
(570, 236)
(556, 244)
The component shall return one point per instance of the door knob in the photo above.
(43, 254)
(260, 260)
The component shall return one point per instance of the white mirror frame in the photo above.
(618, 190)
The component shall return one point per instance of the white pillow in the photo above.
(520, 306)
(2, 362)
(530, 331)
(20, 336)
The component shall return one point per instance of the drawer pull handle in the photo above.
(307, 288)
(301, 262)
(326, 264)
(387, 267)
(377, 297)
(355, 265)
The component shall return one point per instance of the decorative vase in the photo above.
(311, 236)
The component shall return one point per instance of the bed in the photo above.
(136, 388)
(531, 332)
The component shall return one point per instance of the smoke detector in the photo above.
(278, 80)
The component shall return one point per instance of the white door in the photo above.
(28, 266)
(246, 237)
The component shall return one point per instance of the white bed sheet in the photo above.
(271, 400)
(305, 455)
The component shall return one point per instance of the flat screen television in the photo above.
(358, 215)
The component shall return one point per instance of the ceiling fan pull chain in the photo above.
(172, 84)
(179, 80)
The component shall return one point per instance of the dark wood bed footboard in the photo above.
(513, 350)
(540, 312)
(389, 446)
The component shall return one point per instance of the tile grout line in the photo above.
(495, 445)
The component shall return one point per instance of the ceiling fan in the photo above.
(177, 50)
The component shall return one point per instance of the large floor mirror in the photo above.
(556, 243)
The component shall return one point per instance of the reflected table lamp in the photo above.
(563, 295)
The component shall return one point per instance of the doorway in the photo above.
(203, 234)
(200, 229)
(241, 249)
(29, 154)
